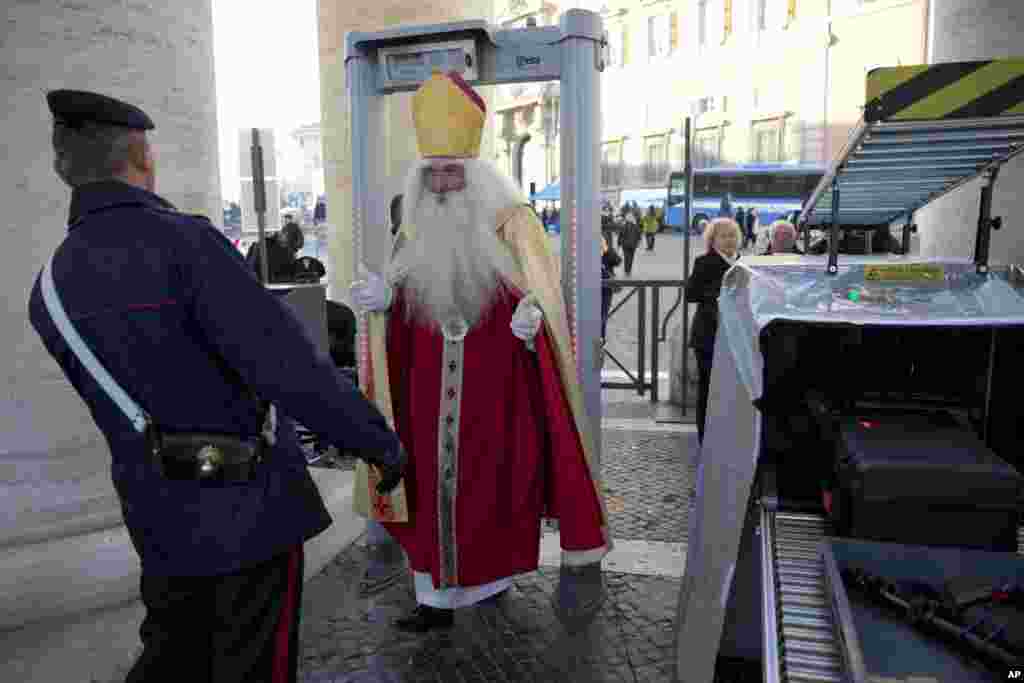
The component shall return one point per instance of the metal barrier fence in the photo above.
(658, 333)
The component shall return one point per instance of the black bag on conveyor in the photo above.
(922, 479)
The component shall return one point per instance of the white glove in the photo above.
(371, 292)
(526, 321)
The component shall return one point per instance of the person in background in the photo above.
(610, 260)
(395, 214)
(741, 220)
(629, 240)
(607, 225)
(650, 227)
(750, 229)
(320, 212)
(282, 249)
(725, 208)
(783, 239)
(723, 240)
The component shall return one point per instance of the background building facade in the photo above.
(763, 80)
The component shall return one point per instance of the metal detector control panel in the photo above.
(405, 65)
(406, 57)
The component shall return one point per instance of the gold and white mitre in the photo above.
(449, 117)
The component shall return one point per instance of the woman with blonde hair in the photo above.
(722, 237)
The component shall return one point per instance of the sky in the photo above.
(267, 70)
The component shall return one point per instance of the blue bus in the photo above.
(775, 190)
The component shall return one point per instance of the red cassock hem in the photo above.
(520, 456)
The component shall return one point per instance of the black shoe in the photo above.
(425, 618)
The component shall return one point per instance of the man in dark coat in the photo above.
(702, 288)
(750, 228)
(320, 212)
(629, 240)
(282, 249)
(395, 212)
(168, 308)
(610, 260)
(725, 207)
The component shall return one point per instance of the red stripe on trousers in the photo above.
(283, 637)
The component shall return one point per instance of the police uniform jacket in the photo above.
(703, 288)
(167, 305)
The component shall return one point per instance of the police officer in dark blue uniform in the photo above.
(168, 307)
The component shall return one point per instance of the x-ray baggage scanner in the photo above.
(399, 60)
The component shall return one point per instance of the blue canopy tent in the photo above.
(551, 193)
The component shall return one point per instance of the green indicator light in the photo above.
(854, 295)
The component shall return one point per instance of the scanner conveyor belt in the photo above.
(800, 638)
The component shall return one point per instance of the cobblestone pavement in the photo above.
(348, 640)
(648, 476)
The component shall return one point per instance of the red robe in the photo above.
(519, 455)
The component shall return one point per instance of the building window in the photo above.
(618, 46)
(707, 147)
(767, 141)
(659, 37)
(611, 164)
(702, 23)
(655, 159)
(772, 15)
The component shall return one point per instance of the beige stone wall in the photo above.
(53, 464)
(966, 30)
(892, 34)
(336, 18)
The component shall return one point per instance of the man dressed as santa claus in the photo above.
(471, 356)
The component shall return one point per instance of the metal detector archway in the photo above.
(398, 60)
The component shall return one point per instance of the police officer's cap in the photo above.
(72, 108)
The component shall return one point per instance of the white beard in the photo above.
(456, 267)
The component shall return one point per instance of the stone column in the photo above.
(66, 550)
(967, 30)
(55, 467)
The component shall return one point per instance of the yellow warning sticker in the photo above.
(905, 272)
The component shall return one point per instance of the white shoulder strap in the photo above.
(130, 408)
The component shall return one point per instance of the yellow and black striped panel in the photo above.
(956, 90)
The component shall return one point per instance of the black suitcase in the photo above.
(922, 480)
